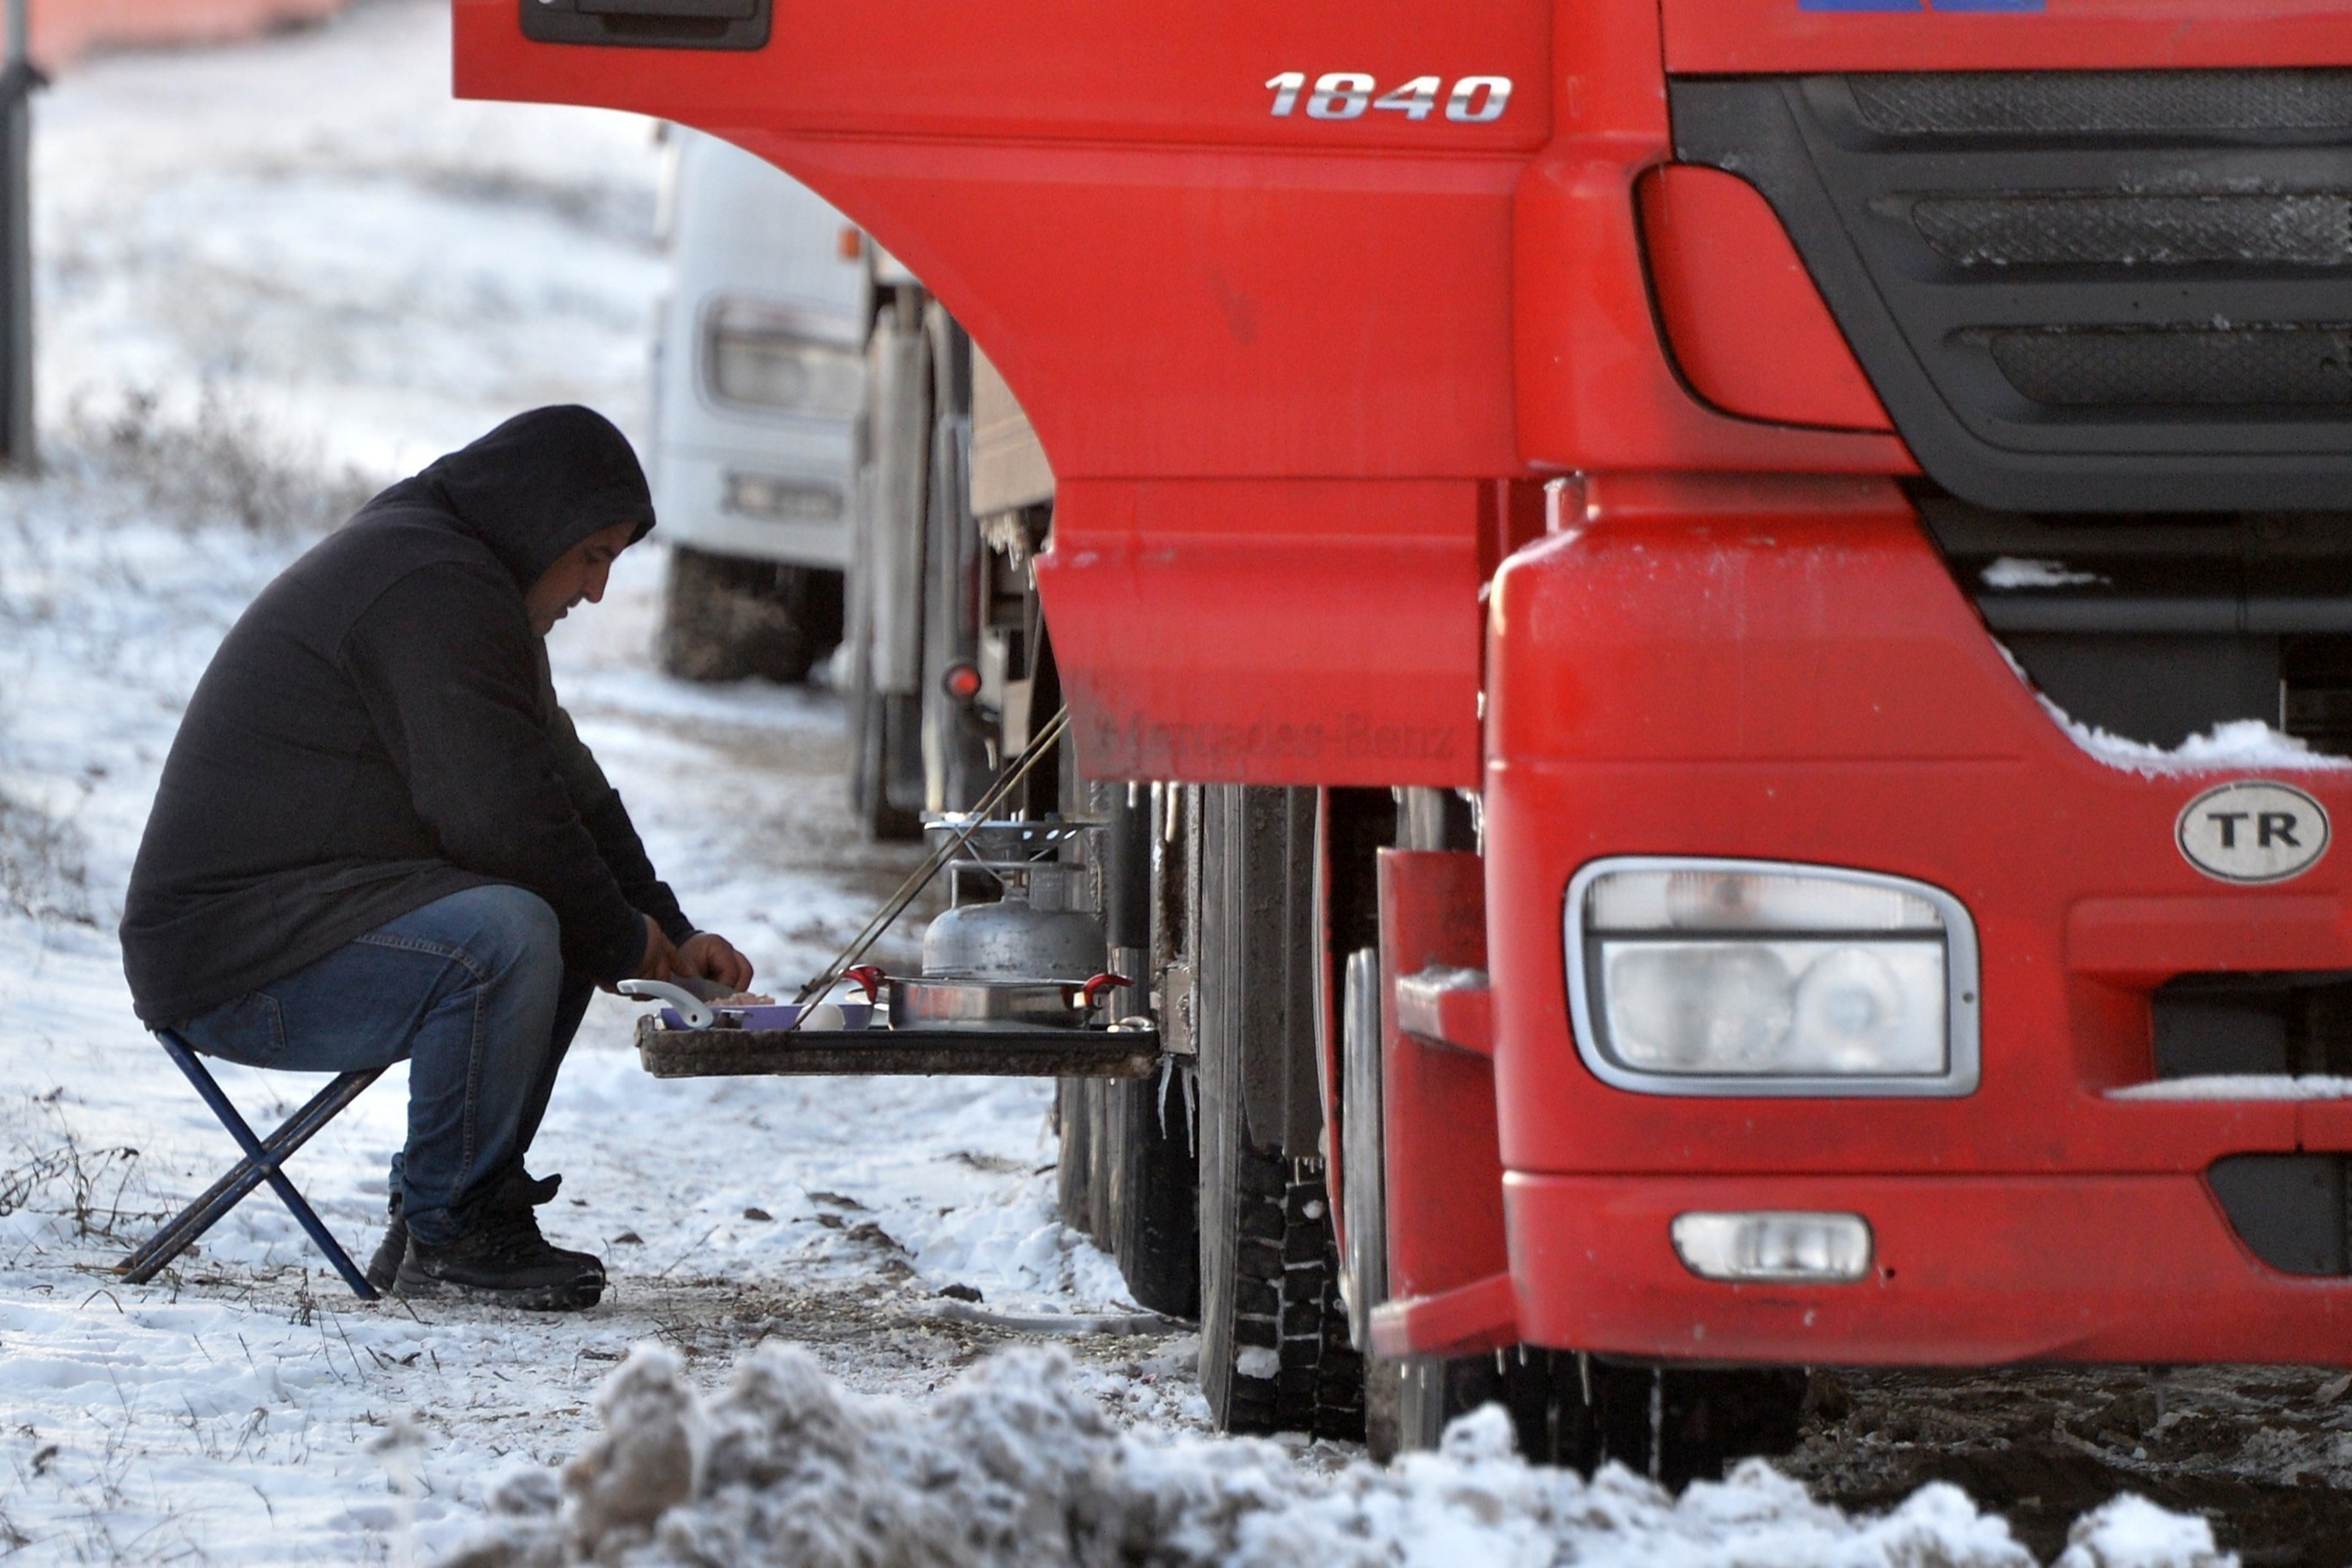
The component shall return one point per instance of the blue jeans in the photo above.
(472, 989)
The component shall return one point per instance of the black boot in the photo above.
(383, 1269)
(502, 1257)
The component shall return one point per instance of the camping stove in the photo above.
(1030, 958)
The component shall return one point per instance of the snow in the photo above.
(323, 234)
(321, 275)
(1012, 1467)
(2018, 572)
(327, 264)
(2131, 1533)
(2246, 742)
(2239, 1087)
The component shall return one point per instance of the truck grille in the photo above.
(2177, 367)
(2077, 291)
(2085, 229)
(2161, 626)
(2103, 103)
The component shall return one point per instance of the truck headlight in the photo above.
(775, 357)
(1700, 976)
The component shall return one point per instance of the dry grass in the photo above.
(222, 467)
(44, 865)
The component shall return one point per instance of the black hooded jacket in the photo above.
(378, 731)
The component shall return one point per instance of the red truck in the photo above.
(1715, 635)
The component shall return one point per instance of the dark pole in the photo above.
(17, 80)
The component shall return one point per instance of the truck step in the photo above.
(996, 1052)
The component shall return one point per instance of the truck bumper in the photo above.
(1968, 1271)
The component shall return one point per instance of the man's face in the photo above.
(578, 573)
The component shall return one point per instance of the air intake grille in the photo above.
(2239, 367)
(2075, 291)
(2103, 103)
(2078, 230)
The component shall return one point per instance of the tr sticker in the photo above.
(2253, 831)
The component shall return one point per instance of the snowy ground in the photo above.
(271, 276)
(324, 263)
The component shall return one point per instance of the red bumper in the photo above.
(1969, 1271)
(1785, 670)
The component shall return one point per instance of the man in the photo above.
(377, 836)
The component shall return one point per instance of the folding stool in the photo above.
(264, 1159)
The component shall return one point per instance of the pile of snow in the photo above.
(1013, 1466)
(2239, 742)
(261, 270)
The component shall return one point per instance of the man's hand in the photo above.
(661, 959)
(708, 956)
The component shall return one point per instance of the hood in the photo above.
(539, 484)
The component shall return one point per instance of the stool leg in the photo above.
(225, 1193)
(265, 1161)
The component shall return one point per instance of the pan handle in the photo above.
(1091, 992)
(692, 1008)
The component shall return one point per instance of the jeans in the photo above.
(472, 990)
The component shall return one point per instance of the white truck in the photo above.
(759, 386)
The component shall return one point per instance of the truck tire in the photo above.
(1672, 1425)
(1274, 1355)
(875, 719)
(727, 619)
(1274, 1352)
(882, 728)
(1127, 1178)
(1675, 1425)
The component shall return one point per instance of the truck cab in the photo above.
(1725, 624)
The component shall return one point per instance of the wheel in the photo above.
(881, 734)
(886, 587)
(1127, 1178)
(1274, 1352)
(1274, 1355)
(872, 723)
(1672, 1425)
(725, 618)
(956, 744)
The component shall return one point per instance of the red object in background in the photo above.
(962, 682)
(1742, 317)
(63, 30)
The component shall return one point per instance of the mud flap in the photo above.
(1448, 1263)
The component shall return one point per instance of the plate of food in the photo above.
(745, 1011)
